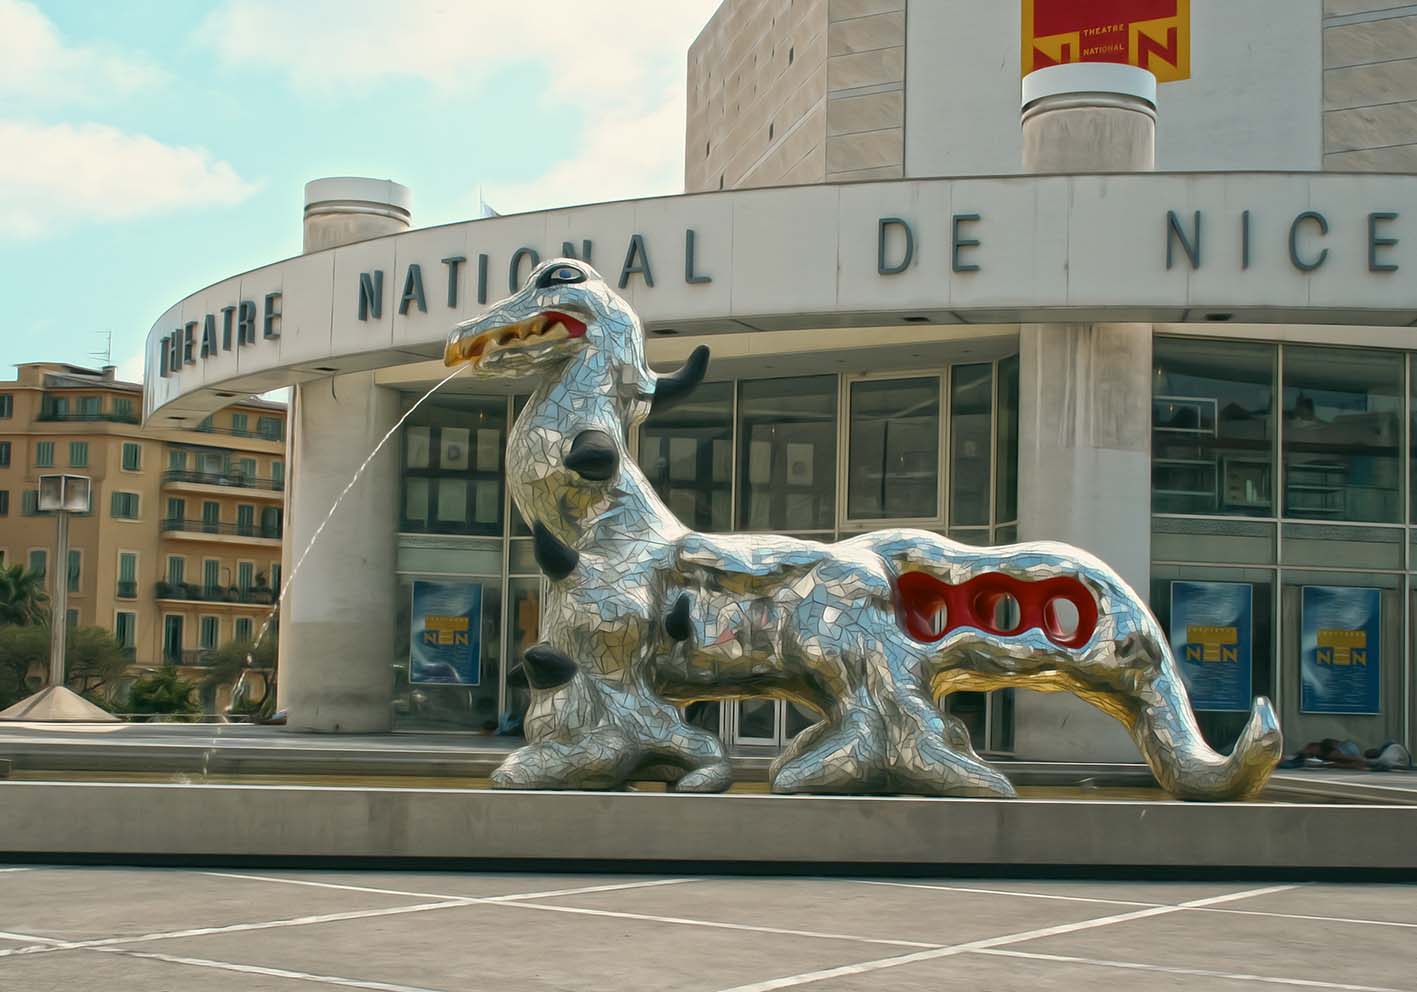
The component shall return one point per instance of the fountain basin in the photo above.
(737, 831)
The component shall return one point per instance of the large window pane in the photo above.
(1212, 439)
(1006, 438)
(893, 468)
(452, 467)
(1342, 434)
(787, 454)
(686, 452)
(971, 443)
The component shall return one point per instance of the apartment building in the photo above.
(180, 551)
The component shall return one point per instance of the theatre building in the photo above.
(1166, 315)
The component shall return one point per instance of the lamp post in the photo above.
(60, 495)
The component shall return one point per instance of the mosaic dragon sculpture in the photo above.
(644, 615)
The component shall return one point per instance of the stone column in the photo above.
(338, 618)
(1085, 391)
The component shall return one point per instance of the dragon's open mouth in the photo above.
(542, 328)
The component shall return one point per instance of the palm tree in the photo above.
(22, 596)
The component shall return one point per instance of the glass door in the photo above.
(768, 722)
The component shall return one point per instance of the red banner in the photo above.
(1152, 34)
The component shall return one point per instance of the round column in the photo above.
(1085, 391)
(338, 619)
(344, 209)
(1089, 117)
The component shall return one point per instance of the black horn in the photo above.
(547, 668)
(670, 389)
(556, 558)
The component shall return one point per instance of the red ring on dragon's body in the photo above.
(974, 604)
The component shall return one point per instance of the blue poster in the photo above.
(445, 643)
(1339, 649)
(1211, 639)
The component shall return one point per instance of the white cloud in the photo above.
(620, 156)
(130, 369)
(617, 69)
(590, 51)
(37, 66)
(54, 174)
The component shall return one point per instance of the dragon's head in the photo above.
(566, 311)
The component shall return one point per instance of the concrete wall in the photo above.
(1252, 101)
(757, 78)
(787, 92)
(866, 89)
(1370, 85)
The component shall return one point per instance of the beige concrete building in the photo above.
(788, 92)
(181, 549)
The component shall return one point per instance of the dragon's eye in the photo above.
(560, 275)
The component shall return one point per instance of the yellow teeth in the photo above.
(505, 338)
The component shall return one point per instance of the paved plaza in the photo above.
(117, 929)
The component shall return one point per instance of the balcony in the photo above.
(208, 530)
(193, 593)
(229, 479)
(256, 435)
(126, 590)
(186, 657)
(111, 417)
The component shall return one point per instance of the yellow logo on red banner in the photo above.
(1152, 34)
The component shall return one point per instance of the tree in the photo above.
(93, 660)
(163, 692)
(22, 597)
(22, 649)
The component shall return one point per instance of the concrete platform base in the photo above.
(284, 824)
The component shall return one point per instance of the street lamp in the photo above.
(60, 495)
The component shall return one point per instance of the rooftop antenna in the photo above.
(107, 352)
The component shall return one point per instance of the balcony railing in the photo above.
(254, 595)
(238, 480)
(110, 416)
(238, 530)
(257, 434)
(186, 656)
(127, 590)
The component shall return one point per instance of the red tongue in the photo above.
(574, 328)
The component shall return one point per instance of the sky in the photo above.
(152, 147)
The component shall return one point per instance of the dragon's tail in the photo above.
(1052, 617)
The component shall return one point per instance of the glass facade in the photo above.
(1284, 468)
(820, 456)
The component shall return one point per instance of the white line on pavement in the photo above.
(298, 921)
(32, 938)
(1128, 902)
(648, 883)
(714, 924)
(445, 902)
(1201, 972)
(1004, 892)
(251, 969)
(862, 967)
(520, 900)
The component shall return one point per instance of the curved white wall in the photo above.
(1051, 248)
